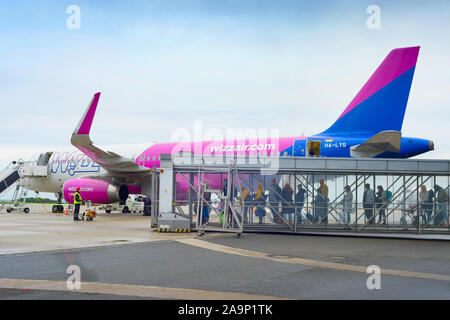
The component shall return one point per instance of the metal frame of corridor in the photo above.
(405, 212)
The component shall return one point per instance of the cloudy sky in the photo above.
(161, 65)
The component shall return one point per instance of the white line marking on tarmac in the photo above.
(131, 290)
(308, 262)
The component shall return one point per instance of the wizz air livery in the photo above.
(370, 127)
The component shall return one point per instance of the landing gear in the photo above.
(147, 211)
(57, 208)
(147, 206)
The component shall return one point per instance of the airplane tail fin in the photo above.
(381, 103)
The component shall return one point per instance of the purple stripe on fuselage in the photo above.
(395, 64)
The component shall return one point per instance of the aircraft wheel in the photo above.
(55, 209)
(108, 211)
(126, 210)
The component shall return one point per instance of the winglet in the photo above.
(84, 126)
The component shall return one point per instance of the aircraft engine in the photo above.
(97, 191)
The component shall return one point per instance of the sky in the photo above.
(162, 65)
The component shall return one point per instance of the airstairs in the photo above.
(20, 169)
(10, 175)
(14, 173)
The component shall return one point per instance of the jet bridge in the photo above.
(408, 206)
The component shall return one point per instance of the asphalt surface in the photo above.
(178, 265)
(19, 294)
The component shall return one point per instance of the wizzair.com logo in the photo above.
(234, 146)
(243, 147)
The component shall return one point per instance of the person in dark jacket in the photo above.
(225, 187)
(206, 203)
(381, 200)
(369, 203)
(320, 208)
(287, 203)
(441, 215)
(233, 194)
(274, 200)
(322, 202)
(300, 202)
(429, 206)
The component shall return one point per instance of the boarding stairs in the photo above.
(20, 169)
(9, 176)
(13, 174)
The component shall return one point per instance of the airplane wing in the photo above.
(114, 164)
(381, 142)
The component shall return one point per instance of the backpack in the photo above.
(388, 195)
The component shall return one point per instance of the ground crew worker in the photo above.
(77, 200)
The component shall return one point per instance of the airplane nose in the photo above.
(431, 145)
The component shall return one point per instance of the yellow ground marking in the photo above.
(130, 290)
(309, 262)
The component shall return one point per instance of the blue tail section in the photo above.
(381, 104)
(384, 110)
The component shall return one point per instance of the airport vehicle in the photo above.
(134, 204)
(89, 215)
(370, 127)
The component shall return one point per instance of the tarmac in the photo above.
(41, 230)
(120, 257)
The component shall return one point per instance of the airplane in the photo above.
(369, 127)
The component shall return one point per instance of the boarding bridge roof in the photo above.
(301, 164)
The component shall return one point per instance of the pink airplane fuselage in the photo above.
(269, 147)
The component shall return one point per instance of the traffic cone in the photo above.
(66, 213)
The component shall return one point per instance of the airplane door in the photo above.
(313, 148)
(299, 148)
